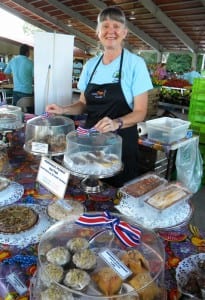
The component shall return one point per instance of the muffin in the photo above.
(108, 282)
(55, 292)
(77, 279)
(85, 259)
(51, 273)
(77, 244)
(58, 255)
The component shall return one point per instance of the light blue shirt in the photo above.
(135, 78)
(21, 67)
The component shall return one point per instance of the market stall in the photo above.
(18, 252)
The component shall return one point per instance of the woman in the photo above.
(114, 89)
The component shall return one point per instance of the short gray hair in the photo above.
(112, 13)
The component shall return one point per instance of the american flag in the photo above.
(85, 131)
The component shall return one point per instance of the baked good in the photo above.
(77, 244)
(7, 118)
(142, 186)
(77, 279)
(135, 261)
(51, 273)
(58, 255)
(144, 279)
(166, 197)
(62, 209)
(4, 183)
(85, 259)
(108, 282)
(55, 292)
(4, 161)
(17, 218)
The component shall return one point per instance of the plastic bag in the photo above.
(189, 165)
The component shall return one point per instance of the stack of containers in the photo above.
(196, 115)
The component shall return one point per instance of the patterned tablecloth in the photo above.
(178, 243)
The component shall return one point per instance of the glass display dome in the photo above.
(93, 154)
(46, 135)
(10, 117)
(94, 262)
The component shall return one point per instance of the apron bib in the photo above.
(101, 101)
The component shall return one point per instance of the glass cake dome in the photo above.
(94, 262)
(10, 117)
(46, 135)
(94, 154)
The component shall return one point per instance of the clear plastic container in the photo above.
(167, 130)
(95, 154)
(47, 135)
(148, 266)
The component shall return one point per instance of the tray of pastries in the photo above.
(91, 262)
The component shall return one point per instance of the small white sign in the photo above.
(115, 263)
(16, 283)
(39, 147)
(53, 177)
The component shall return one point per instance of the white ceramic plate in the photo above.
(32, 235)
(11, 194)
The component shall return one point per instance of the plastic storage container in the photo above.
(47, 135)
(95, 154)
(167, 130)
(146, 270)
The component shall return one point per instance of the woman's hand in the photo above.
(106, 124)
(54, 109)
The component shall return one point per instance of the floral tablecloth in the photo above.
(178, 243)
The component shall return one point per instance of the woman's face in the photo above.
(111, 34)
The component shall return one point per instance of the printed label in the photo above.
(16, 283)
(115, 263)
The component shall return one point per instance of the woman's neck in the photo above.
(110, 55)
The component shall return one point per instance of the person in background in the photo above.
(21, 70)
(113, 89)
(189, 76)
(160, 73)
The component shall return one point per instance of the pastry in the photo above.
(135, 261)
(85, 259)
(77, 244)
(108, 282)
(77, 279)
(51, 273)
(58, 255)
(62, 209)
(55, 292)
(143, 283)
(167, 197)
(17, 218)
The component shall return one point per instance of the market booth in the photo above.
(44, 186)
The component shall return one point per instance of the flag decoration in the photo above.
(128, 234)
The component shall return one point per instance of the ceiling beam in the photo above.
(132, 28)
(57, 23)
(167, 22)
(203, 2)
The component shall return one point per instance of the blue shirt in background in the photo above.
(22, 70)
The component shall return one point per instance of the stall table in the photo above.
(178, 243)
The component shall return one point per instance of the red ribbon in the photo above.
(128, 234)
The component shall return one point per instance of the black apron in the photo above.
(108, 100)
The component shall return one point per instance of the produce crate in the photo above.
(153, 98)
(197, 112)
(199, 129)
(198, 85)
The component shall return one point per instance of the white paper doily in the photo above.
(152, 219)
(185, 267)
(32, 235)
(11, 194)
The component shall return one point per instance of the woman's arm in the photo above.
(137, 115)
(76, 108)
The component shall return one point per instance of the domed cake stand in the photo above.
(92, 183)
